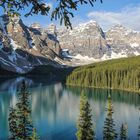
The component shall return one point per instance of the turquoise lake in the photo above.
(55, 108)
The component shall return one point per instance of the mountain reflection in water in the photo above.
(55, 108)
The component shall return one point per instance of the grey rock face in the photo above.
(89, 40)
(22, 47)
(124, 41)
(85, 39)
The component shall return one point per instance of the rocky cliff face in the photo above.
(89, 40)
(123, 41)
(22, 47)
(86, 39)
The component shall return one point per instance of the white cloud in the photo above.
(128, 16)
(49, 4)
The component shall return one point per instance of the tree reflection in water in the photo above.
(20, 121)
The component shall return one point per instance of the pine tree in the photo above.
(109, 132)
(121, 74)
(85, 125)
(25, 127)
(12, 123)
(123, 133)
(35, 135)
(20, 117)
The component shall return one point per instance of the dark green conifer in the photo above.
(12, 123)
(24, 124)
(20, 122)
(85, 125)
(123, 133)
(109, 133)
(35, 135)
(121, 74)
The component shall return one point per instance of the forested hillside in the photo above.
(121, 74)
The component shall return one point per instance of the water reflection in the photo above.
(20, 121)
(55, 108)
(11, 85)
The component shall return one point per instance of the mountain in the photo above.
(85, 39)
(22, 47)
(88, 41)
(123, 41)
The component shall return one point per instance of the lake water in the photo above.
(55, 108)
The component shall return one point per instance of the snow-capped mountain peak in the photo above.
(88, 39)
(22, 47)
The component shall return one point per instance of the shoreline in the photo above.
(108, 88)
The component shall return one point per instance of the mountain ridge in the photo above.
(22, 48)
(89, 37)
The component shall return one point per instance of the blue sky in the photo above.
(110, 12)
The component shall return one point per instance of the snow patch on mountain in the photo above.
(14, 45)
(19, 70)
(59, 61)
(114, 55)
(4, 61)
(134, 45)
(31, 43)
(39, 62)
(65, 53)
(136, 53)
(84, 58)
(12, 57)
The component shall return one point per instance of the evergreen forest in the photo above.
(121, 74)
